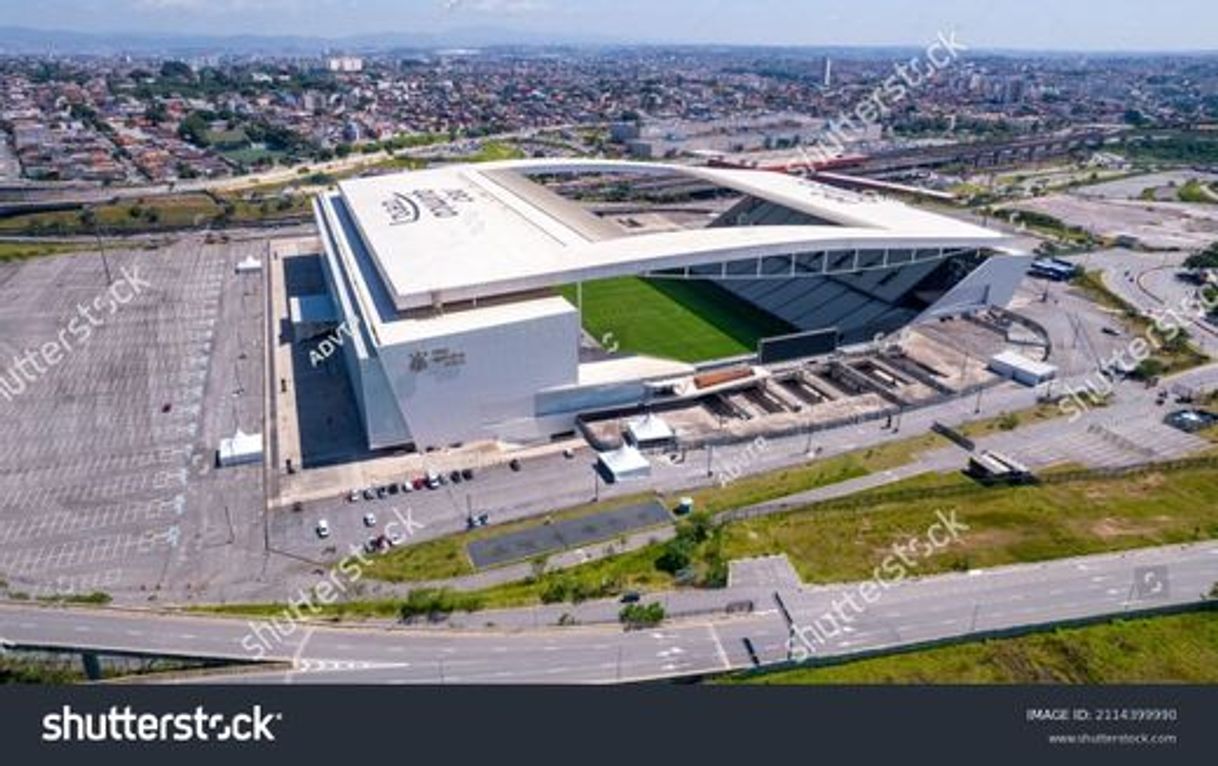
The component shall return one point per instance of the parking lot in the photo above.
(106, 478)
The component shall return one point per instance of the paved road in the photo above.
(911, 611)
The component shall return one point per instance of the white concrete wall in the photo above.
(492, 392)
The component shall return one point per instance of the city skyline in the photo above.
(1034, 25)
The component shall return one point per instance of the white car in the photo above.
(369, 519)
(323, 529)
(354, 496)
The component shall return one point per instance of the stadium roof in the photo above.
(466, 232)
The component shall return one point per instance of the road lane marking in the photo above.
(719, 646)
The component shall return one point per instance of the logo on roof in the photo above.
(401, 209)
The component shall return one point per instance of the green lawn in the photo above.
(1172, 649)
(690, 321)
(496, 151)
(172, 211)
(1195, 191)
(447, 556)
(19, 251)
(1008, 525)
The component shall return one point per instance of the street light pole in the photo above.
(101, 248)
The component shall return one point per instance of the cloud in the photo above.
(510, 7)
(224, 6)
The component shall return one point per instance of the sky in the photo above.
(1080, 25)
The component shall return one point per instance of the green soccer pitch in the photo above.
(689, 321)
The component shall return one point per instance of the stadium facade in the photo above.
(445, 280)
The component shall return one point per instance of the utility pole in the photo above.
(101, 248)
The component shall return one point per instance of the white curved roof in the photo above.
(462, 232)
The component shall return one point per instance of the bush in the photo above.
(1148, 369)
(640, 616)
(437, 603)
(676, 556)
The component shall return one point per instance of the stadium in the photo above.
(503, 300)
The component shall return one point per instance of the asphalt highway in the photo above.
(909, 612)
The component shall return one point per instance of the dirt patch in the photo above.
(1108, 528)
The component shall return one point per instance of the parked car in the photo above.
(354, 496)
(433, 480)
(467, 474)
(381, 492)
(323, 529)
(455, 477)
(369, 494)
(407, 486)
(631, 597)
(369, 519)
(514, 464)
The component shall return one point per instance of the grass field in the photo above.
(1198, 192)
(160, 212)
(690, 321)
(19, 251)
(1172, 649)
(447, 557)
(495, 151)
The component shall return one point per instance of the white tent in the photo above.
(649, 429)
(625, 463)
(240, 449)
(250, 265)
(1014, 365)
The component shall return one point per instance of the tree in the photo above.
(194, 129)
(1205, 259)
(177, 70)
(1148, 369)
(677, 555)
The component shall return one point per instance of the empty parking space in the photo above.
(551, 538)
(104, 445)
